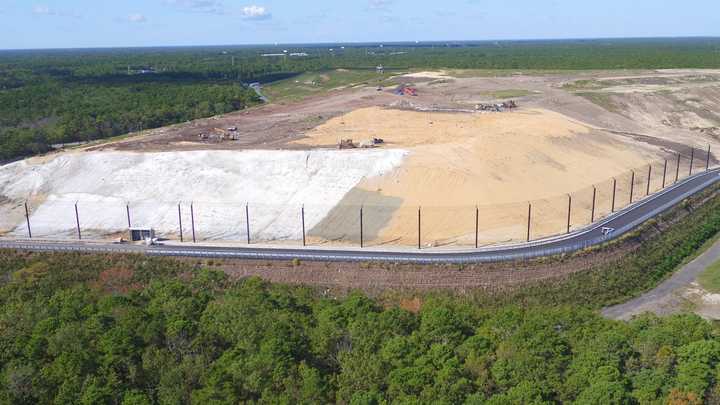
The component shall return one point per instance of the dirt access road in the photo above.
(672, 108)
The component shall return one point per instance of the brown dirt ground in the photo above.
(509, 159)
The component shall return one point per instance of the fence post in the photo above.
(677, 171)
(477, 225)
(692, 160)
(529, 218)
(247, 221)
(612, 208)
(707, 161)
(664, 174)
(362, 242)
(127, 210)
(647, 193)
(569, 212)
(27, 220)
(419, 228)
(192, 220)
(632, 186)
(302, 215)
(180, 223)
(77, 221)
(592, 212)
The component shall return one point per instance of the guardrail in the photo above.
(547, 247)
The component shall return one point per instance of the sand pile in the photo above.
(496, 161)
(275, 183)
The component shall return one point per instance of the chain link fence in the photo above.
(346, 225)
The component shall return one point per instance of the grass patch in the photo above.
(311, 83)
(503, 94)
(584, 84)
(603, 100)
(709, 279)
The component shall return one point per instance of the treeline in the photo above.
(49, 97)
(37, 116)
(137, 330)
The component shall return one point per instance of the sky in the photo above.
(25, 24)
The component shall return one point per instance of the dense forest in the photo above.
(104, 329)
(62, 96)
(135, 330)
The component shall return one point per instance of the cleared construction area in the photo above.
(480, 169)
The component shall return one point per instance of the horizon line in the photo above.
(356, 43)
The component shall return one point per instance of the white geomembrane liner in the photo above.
(275, 184)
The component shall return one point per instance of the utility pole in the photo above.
(592, 214)
(664, 174)
(632, 186)
(612, 209)
(647, 192)
(677, 170)
(77, 221)
(127, 210)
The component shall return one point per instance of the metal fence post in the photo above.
(692, 160)
(677, 170)
(529, 218)
(612, 208)
(477, 226)
(302, 215)
(632, 186)
(419, 227)
(192, 221)
(77, 221)
(647, 193)
(707, 161)
(569, 212)
(180, 223)
(362, 242)
(592, 212)
(27, 220)
(247, 221)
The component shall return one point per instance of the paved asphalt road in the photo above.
(656, 299)
(622, 222)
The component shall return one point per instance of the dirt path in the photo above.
(667, 297)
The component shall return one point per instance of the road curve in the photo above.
(622, 222)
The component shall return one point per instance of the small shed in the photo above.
(141, 234)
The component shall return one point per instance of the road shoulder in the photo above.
(672, 294)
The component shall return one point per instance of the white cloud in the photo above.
(136, 18)
(198, 6)
(379, 4)
(41, 9)
(254, 12)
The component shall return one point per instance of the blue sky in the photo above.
(100, 23)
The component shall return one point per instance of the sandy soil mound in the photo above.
(275, 183)
(497, 161)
